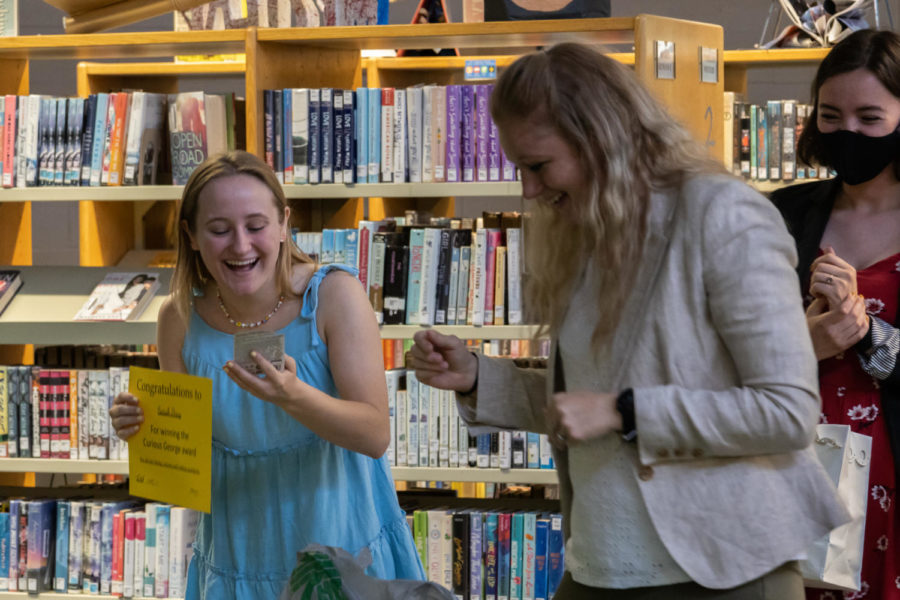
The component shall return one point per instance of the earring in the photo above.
(199, 267)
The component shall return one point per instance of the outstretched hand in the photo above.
(442, 361)
(126, 415)
(274, 386)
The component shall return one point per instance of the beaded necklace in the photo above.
(247, 325)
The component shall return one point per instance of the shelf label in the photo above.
(709, 65)
(480, 69)
(665, 60)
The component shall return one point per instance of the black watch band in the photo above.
(625, 406)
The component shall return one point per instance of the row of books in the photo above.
(92, 547)
(112, 139)
(421, 134)
(426, 431)
(491, 555)
(761, 140)
(60, 413)
(394, 350)
(431, 275)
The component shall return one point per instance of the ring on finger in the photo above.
(829, 280)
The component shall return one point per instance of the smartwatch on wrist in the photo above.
(625, 406)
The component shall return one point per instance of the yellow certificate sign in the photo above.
(170, 457)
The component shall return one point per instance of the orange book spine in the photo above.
(117, 138)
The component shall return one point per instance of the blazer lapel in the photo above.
(659, 232)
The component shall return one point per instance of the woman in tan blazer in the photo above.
(682, 394)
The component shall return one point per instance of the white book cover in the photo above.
(439, 132)
(478, 292)
(387, 134)
(360, 116)
(400, 426)
(183, 528)
(505, 449)
(84, 397)
(337, 120)
(300, 134)
(392, 379)
(514, 275)
(120, 296)
(428, 289)
(163, 512)
(444, 434)
(76, 544)
(412, 424)
(424, 416)
(427, 133)
(434, 431)
(149, 570)
(454, 431)
(434, 546)
(98, 418)
(414, 132)
(32, 139)
(23, 118)
(400, 136)
(446, 550)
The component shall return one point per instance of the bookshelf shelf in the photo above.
(774, 58)
(490, 332)
(57, 596)
(62, 465)
(523, 476)
(120, 467)
(327, 190)
(42, 311)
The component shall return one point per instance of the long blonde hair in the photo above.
(190, 272)
(629, 146)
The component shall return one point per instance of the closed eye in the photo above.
(535, 167)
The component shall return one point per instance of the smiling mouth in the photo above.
(241, 265)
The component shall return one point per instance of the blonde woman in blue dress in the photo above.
(298, 455)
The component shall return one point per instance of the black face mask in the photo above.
(857, 158)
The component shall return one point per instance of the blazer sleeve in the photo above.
(752, 302)
(507, 397)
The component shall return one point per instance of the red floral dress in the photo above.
(850, 396)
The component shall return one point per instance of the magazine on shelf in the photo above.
(119, 297)
(10, 282)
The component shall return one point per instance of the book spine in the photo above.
(315, 135)
(73, 414)
(361, 116)
(133, 135)
(349, 136)
(4, 551)
(118, 139)
(12, 414)
(442, 283)
(428, 133)
(412, 426)
(516, 542)
(87, 139)
(401, 170)
(461, 564)
(163, 513)
(387, 134)
(269, 127)
(428, 289)
(76, 546)
(61, 563)
(528, 550)
(542, 532)
(140, 540)
(150, 548)
(453, 288)
(452, 129)
(414, 132)
(326, 142)
(475, 555)
(444, 428)
(287, 129)
(424, 424)
(128, 556)
(500, 286)
(99, 138)
(376, 276)
(414, 278)
(338, 145)
(59, 157)
(300, 134)
(373, 128)
(555, 555)
(482, 135)
(9, 140)
(788, 140)
(439, 133)
(434, 426)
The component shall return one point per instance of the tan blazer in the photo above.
(714, 342)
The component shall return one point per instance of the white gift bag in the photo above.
(835, 560)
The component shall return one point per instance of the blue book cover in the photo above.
(41, 536)
(61, 567)
(483, 459)
(4, 551)
(326, 143)
(361, 110)
(99, 138)
(349, 135)
(351, 247)
(490, 556)
(287, 134)
(555, 554)
(516, 546)
(13, 572)
(373, 127)
(77, 511)
(87, 138)
(326, 255)
(74, 124)
(338, 119)
(339, 238)
(315, 136)
(504, 522)
(476, 544)
(541, 535)
(59, 156)
(529, 525)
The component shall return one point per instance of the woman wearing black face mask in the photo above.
(848, 240)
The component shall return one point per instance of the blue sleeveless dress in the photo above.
(277, 486)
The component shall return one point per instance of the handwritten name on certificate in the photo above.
(170, 457)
